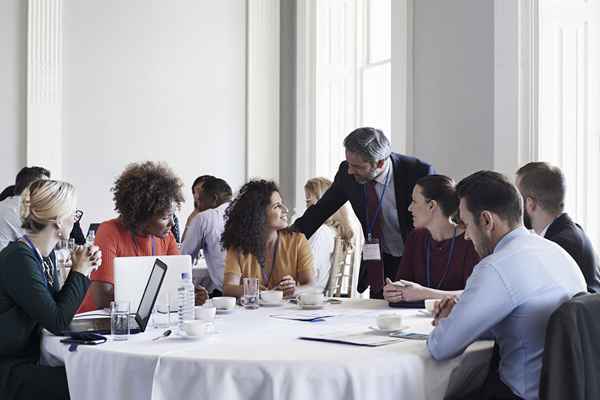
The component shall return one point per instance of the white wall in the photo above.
(152, 80)
(453, 84)
(13, 84)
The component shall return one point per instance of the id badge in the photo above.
(371, 250)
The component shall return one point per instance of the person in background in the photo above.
(519, 282)
(378, 185)
(437, 258)
(146, 196)
(8, 191)
(543, 189)
(30, 296)
(206, 228)
(259, 246)
(10, 218)
(322, 242)
(196, 190)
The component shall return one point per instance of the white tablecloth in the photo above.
(255, 356)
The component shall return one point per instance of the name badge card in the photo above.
(371, 250)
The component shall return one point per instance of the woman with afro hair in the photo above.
(146, 196)
(259, 246)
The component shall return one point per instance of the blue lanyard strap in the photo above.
(428, 261)
(371, 224)
(38, 257)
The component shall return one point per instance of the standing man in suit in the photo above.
(378, 184)
(543, 189)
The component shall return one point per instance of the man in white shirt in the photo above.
(206, 228)
(519, 282)
(10, 208)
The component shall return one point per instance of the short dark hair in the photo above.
(545, 183)
(28, 175)
(442, 189)
(144, 190)
(201, 179)
(217, 189)
(370, 143)
(491, 191)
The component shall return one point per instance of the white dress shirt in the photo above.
(510, 296)
(392, 242)
(204, 233)
(322, 243)
(10, 220)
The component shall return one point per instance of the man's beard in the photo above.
(483, 245)
(366, 179)
(527, 221)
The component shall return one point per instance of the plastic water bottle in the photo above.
(185, 300)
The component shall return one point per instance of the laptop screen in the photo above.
(150, 293)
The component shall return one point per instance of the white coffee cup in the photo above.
(311, 299)
(430, 304)
(224, 303)
(389, 321)
(195, 328)
(205, 313)
(271, 296)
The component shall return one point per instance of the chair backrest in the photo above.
(571, 358)
(340, 276)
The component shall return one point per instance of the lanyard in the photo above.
(371, 224)
(38, 257)
(428, 261)
(267, 278)
(137, 248)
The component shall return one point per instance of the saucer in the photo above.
(185, 336)
(225, 310)
(386, 331)
(311, 306)
(425, 313)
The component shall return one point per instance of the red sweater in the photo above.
(414, 261)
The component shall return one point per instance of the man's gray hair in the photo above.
(370, 143)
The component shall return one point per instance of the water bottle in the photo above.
(91, 237)
(185, 300)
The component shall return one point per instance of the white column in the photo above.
(262, 110)
(402, 76)
(515, 89)
(45, 84)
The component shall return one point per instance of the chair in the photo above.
(571, 359)
(341, 273)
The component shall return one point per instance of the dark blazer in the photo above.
(571, 237)
(571, 359)
(407, 170)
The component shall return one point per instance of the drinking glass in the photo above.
(161, 318)
(119, 320)
(251, 293)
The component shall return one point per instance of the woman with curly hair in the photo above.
(146, 196)
(258, 246)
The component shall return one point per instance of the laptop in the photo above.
(137, 323)
(131, 273)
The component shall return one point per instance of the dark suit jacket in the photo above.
(571, 359)
(571, 237)
(407, 170)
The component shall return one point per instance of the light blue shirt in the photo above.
(392, 243)
(509, 297)
(204, 233)
(10, 220)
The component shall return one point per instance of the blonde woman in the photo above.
(30, 297)
(322, 242)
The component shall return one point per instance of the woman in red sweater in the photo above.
(437, 258)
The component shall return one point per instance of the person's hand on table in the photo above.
(403, 290)
(442, 308)
(288, 285)
(201, 295)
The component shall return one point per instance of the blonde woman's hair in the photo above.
(340, 220)
(46, 201)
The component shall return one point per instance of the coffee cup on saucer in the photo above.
(195, 328)
(389, 322)
(205, 312)
(311, 299)
(430, 305)
(271, 297)
(224, 303)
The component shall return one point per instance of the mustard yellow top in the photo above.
(293, 256)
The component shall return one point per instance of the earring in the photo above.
(59, 234)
